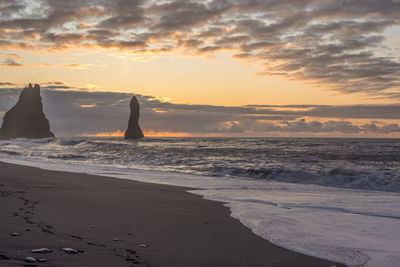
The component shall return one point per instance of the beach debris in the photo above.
(41, 250)
(143, 245)
(70, 250)
(41, 260)
(30, 259)
(115, 239)
(15, 234)
(4, 257)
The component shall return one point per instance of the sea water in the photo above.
(337, 199)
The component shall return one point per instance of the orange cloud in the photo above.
(88, 106)
(15, 56)
(147, 133)
(11, 63)
(152, 133)
(77, 66)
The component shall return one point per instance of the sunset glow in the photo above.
(148, 133)
(271, 129)
(151, 133)
(222, 54)
(117, 133)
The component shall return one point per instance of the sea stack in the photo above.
(134, 130)
(26, 118)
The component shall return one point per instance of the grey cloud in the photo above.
(315, 126)
(384, 129)
(303, 126)
(62, 38)
(55, 18)
(57, 86)
(357, 112)
(7, 84)
(101, 34)
(178, 15)
(11, 63)
(13, 56)
(338, 46)
(124, 14)
(340, 112)
(74, 112)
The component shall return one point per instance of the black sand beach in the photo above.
(115, 222)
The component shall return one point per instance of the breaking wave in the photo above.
(368, 164)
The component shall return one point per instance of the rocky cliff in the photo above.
(134, 130)
(26, 118)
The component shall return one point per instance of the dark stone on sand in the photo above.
(30, 259)
(70, 250)
(4, 257)
(26, 118)
(41, 250)
(133, 260)
(134, 131)
(131, 251)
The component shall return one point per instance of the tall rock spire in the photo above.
(134, 130)
(26, 118)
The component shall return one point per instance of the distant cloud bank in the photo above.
(81, 112)
(339, 44)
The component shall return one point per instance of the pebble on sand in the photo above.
(143, 246)
(115, 239)
(4, 257)
(30, 259)
(14, 234)
(41, 250)
(70, 250)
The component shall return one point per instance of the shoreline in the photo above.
(117, 222)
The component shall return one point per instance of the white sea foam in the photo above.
(354, 227)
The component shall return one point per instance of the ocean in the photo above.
(337, 199)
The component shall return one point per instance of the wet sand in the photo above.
(115, 222)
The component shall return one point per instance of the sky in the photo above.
(298, 68)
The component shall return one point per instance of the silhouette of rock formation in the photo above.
(26, 118)
(134, 130)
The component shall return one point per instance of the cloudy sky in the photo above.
(209, 68)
